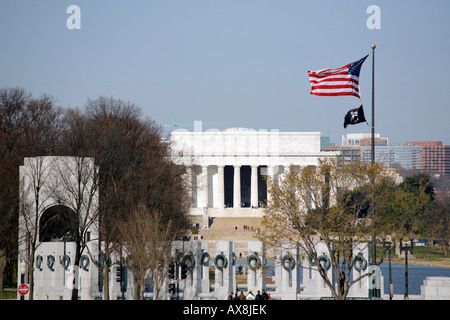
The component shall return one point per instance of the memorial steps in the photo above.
(224, 229)
(229, 223)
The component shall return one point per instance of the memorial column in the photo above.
(254, 187)
(271, 175)
(237, 187)
(220, 187)
(189, 185)
(204, 186)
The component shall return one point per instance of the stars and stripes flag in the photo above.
(337, 82)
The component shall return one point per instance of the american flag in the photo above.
(337, 82)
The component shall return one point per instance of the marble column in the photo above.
(287, 170)
(254, 187)
(204, 186)
(237, 187)
(220, 187)
(189, 176)
(271, 175)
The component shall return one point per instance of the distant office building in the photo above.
(325, 142)
(430, 157)
(396, 157)
(434, 157)
(358, 146)
(362, 139)
(345, 154)
(379, 142)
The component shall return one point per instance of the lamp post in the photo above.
(406, 248)
(23, 271)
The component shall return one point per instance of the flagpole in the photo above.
(375, 293)
(373, 254)
(373, 103)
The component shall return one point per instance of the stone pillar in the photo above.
(271, 175)
(197, 281)
(287, 170)
(360, 267)
(204, 186)
(287, 271)
(315, 286)
(189, 176)
(254, 187)
(205, 218)
(256, 278)
(220, 187)
(237, 187)
(205, 285)
(225, 270)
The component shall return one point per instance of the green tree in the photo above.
(400, 208)
(339, 206)
(419, 184)
(436, 223)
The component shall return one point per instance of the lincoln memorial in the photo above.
(226, 168)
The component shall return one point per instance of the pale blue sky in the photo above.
(237, 62)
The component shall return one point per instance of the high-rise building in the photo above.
(362, 142)
(345, 154)
(397, 157)
(434, 157)
(361, 139)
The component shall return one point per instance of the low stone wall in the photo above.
(436, 288)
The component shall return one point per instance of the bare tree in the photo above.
(29, 127)
(134, 167)
(77, 188)
(147, 239)
(35, 190)
(119, 139)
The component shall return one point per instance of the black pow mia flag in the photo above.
(354, 116)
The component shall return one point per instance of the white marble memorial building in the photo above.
(226, 168)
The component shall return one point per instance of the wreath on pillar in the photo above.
(39, 262)
(84, 262)
(254, 257)
(50, 262)
(288, 262)
(259, 263)
(311, 260)
(326, 262)
(65, 261)
(224, 263)
(189, 261)
(362, 265)
(205, 259)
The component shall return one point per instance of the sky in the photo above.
(237, 63)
